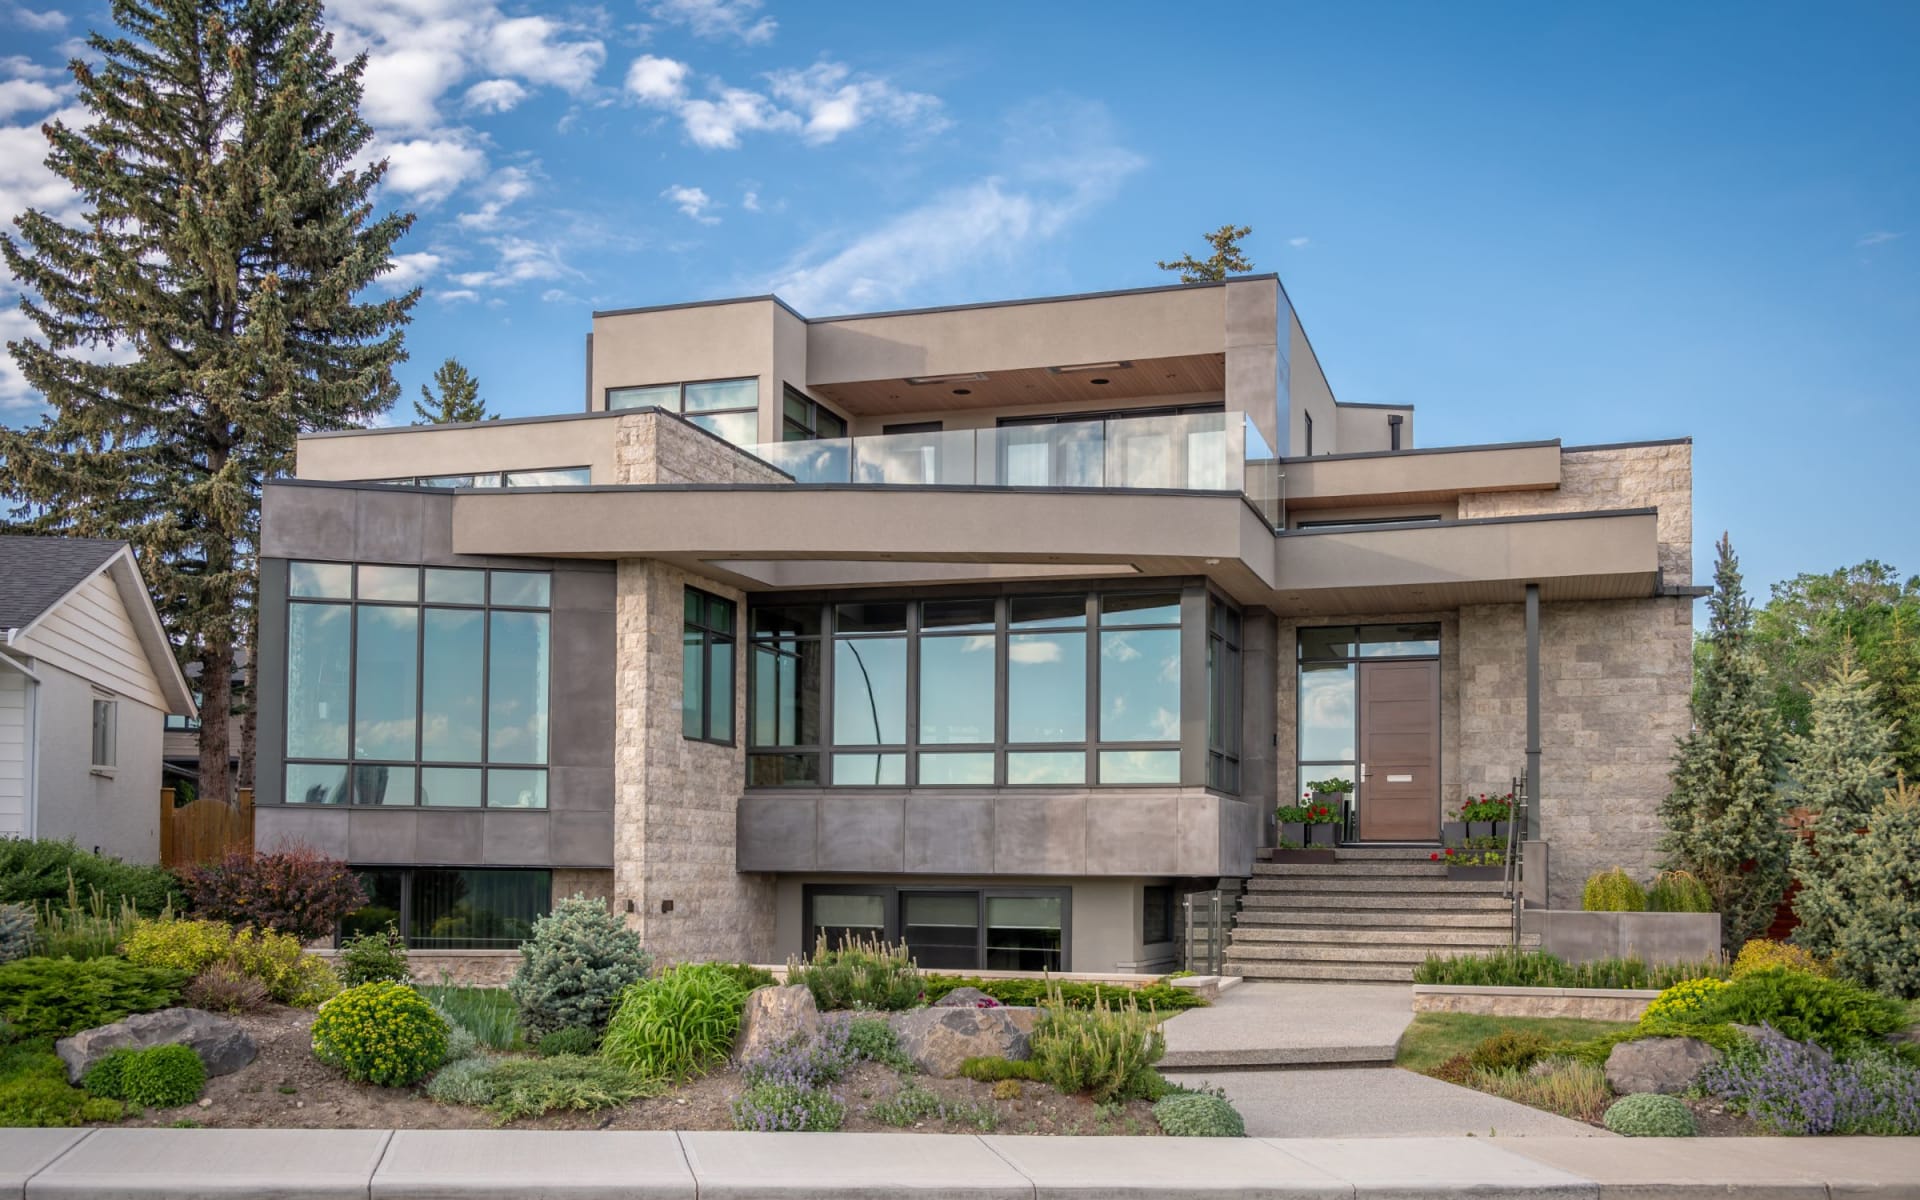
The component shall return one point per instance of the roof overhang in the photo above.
(138, 601)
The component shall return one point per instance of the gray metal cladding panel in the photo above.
(862, 833)
(299, 522)
(1135, 834)
(584, 650)
(455, 838)
(516, 839)
(949, 834)
(377, 835)
(1040, 835)
(580, 839)
(777, 833)
(324, 829)
(387, 525)
(580, 789)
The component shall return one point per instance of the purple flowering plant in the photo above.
(1798, 1089)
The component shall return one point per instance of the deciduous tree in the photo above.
(1227, 257)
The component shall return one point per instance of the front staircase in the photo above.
(1366, 914)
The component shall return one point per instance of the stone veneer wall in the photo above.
(593, 884)
(1652, 476)
(652, 448)
(1615, 677)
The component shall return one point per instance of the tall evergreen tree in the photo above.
(1838, 770)
(1227, 257)
(1879, 943)
(1725, 816)
(227, 233)
(459, 398)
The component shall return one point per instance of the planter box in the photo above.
(1500, 829)
(1304, 856)
(1453, 833)
(1321, 835)
(1476, 873)
(1651, 937)
(1293, 831)
(1479, 829)
(1592, 1004)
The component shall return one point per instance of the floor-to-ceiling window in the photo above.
(452, 908)
(1020, 690)
(947, 929)
(410, 685)
(1328, 720)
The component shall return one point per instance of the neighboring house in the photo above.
(86, 678)
(995, 628)
(180, 747)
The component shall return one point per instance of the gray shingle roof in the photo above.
(36, 571)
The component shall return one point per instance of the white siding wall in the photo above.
(13, 752)
(91, 635)
(115, 812)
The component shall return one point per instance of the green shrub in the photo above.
(913, 1104)
(488, 1014)
(572, 1040)
(1759, 954)
(1650, 1115)
(161, 1077)
(1683, 1002)
(575, 967)
(100, 1108)
(190, 946)
(1512, 968)
(374, 956)
(1104, 1051)
(461, 1042)
(1031, 993)
(1679, 891)
(16, 931)
(747, 975)
(296, 891)
(860, 974)
(277, 961)
(468, 1081)
(1508, 1050)
(59, 996)
(1807, 1008)
(382, 1033)
(38, 1101)
(992, 1070)
(873, 1039)
(676, 1025)
(1613, 891)
(1197, 1114)
(1875, 945)
(49, 871)
(769, 1107)
(527, 1087)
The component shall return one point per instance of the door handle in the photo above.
(1363, 772)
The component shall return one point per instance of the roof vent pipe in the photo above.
(1394, 421)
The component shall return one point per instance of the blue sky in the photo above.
(1601, 223)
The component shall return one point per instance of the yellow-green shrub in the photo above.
(1683, 1002)
(1106, 1052)
(384, 1033)
(190, 946)
(1759, 954)
(1613, 891)
(288, 972)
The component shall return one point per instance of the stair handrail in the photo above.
(1510, 876)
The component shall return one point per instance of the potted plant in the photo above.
(1289, 851)
(1472, 862)
(1330, 791)
(1483, 813)
(1293, 824)
(1324, 809)
(1453, 830)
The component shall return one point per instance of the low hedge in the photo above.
(1031, 993)
(1507, 968)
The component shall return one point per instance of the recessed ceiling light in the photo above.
(1116, 365)
(963, 377)
(1099, 381)
(963, 391)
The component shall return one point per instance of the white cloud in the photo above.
(717, 124)
(521, 260)
(692, 201)
(51, 21)
(501, 189)
(404, 86)
(531, 47)
(457, 296)
(429, 169)
(495, 95)
(410, 271)
(1298, 242)
(26, 95)
(834, 100)
(719, 19)
(658, 81)
(25, 181)
(1879, 237)
(751, 201)
(1029, 653)
(19, 66)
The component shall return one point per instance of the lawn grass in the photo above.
(1433, 1038)
(487, 1013)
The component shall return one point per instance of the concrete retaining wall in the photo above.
(1592, 1004)
(1649, 936)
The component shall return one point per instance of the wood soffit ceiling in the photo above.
(1033, 386)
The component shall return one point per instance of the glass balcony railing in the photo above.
(1199, 452)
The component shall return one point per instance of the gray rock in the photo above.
(965, 997)
(221, 1044)
(1767, 1037)
(1667, 1065)
(773, 1017)
(938, 1040)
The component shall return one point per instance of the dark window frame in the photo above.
(1302, 660)
(808, 430)
(893, 912)
(1163, 899)
(679, 409)
(1308, 418)
(405, 911)
(1226, 694)
(711, 635)
(418, 764)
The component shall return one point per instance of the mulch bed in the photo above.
(287, 1088)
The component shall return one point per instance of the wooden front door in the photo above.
(1399, 792)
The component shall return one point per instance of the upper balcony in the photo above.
(1197, 452)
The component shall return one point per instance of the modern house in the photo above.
(87, 677)
(996, 628)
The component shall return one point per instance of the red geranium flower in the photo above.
(1434, 857)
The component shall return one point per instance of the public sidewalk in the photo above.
(322, 1164)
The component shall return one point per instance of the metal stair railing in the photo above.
(1511, 885)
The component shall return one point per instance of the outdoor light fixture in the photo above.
(1116, 365)
(964, 377)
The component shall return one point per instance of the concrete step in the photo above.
(1366, 868)
(1325, 972)
(1438, 885)
(1341, 953)
(1247, 935)
(1394, 918)
(1390, 901)
(1383, 853)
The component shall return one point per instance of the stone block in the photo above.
(1665, 1065)
(773, 1017)
(938, 1040)
(222, 1045)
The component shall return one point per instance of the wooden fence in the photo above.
(203, 830)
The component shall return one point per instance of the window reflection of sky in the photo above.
(1140, 685)
(1327, 713)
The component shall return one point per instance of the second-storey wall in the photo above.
(1647, 475)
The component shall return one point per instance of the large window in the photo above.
(532, 478)
(804, 419)
(973, 691)
(409, 685)
(706, 668)
(1223, 696)
(453, 909)
(948, 929)
(727, 408)
(1328, 721)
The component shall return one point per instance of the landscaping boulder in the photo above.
(1768, 1038)
(966, 997)
(1667, 1065)
(938, 1040)
(221, 1044)
(773, 1017)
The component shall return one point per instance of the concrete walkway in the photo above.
(322, 1164)
(1375, 1102)
(1269, 1024)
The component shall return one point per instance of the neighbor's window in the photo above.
(105, 732)
(706, 668)
(417, 686)
(727, 408)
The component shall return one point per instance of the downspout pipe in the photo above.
(1534, 790)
